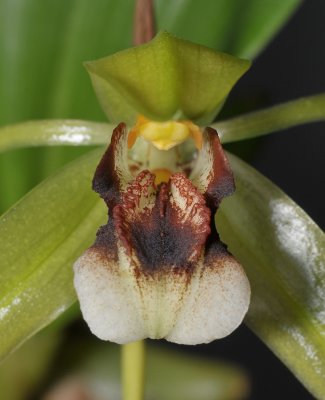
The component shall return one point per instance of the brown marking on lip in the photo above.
(215, 249)
(105, 243)
(166, 232)
(222, 182)
(107, 181)
(211, 172)
(163, 229)
(131, 203)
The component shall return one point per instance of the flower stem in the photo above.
(133, 361)
(144, 24)
(282, 116)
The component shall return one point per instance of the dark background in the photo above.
(292, 66)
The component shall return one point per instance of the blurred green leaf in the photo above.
(282, 251)
(238, 27)
(167, 78)
(170, 375)
(41, 73)
(24, 371)
(281, 116)
(176, 376)
(42, 236)
(41, 55)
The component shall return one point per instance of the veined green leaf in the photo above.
(41, 237)
(282, 251)
(167, 78)
(281, 116)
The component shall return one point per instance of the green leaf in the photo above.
(282, 251)
(42, 236)
(282, 116)
(24, 168)
(239, 27)
(167, 78)
(41, 73)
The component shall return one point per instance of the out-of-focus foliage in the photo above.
(170, 375)
(25, 370)
(43, 45)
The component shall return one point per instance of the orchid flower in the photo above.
(158, 268)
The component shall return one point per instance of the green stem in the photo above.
(133, 360)
(296, 112)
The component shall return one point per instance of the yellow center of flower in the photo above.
(162, 175)
(165, 135)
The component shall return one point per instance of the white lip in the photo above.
(152, 272)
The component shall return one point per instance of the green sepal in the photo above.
(167, 78)
(282, 252)
(41, 236)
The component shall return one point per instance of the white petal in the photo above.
(108, 299)
(216, 303)
(120, 306)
